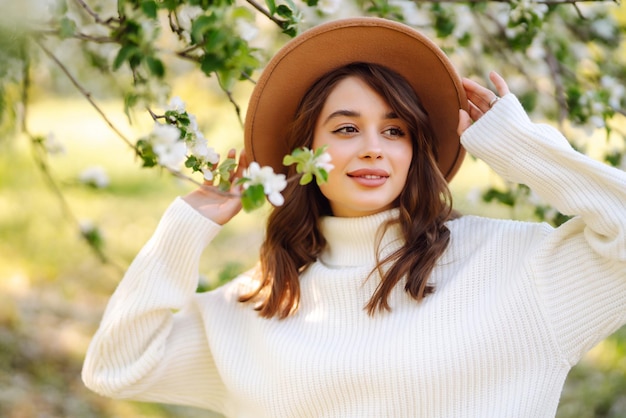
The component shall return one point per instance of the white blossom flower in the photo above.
(200, 149)
(328, 7)
(474, 196)
(187, 14)
(176, 104)
(86, 226)
(207, 174)
(166, 143)
(272, 183)
(534, 199)
(597, 121)
(412, 15)
(604, 28)
(323, 162)
(150, 29)
(616, 89)
(536, 50)
(52, 145)
(94, 176)
(246, 29)
(193, 123)
(550, 213)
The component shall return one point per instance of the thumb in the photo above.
(464, 122)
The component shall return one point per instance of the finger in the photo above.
(243, 163)
(499, 82)
(475, 112)
(232, 154)
(464, 122)
(480, 96)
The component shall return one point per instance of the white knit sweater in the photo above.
(516, 306)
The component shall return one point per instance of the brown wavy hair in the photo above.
(293, 240)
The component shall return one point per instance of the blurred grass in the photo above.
(53, 289)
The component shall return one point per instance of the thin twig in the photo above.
(87, 95)
(231, 99)
(580, 13)
(553, 65)
(281, 23)
(95, 15)
(153, 115)
(77, 35)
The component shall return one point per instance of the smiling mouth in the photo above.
(369, 176)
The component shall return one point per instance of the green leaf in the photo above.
(124, 54)
(200, 27)
(284, 11)
(321, 176)
(271, 5)
(130, 100)
(146, 153)
(94, 237)
(67, 27)
(288, 160)
(211, 63)
(156, 66)
(253, 197)
(191, 161)
(170, 5)
(224, 184)
(506, 198)
(306, 179)
(149, 8)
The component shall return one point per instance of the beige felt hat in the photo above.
(304, 59)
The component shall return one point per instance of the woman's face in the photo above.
(370, 147)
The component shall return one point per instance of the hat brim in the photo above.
(303, 60)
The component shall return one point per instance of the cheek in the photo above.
(403, 156)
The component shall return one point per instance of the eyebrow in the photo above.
(354, 114)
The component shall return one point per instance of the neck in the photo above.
(355, 241)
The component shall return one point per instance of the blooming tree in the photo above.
(564, 58)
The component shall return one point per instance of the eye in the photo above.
(349, 129)
(396, 132)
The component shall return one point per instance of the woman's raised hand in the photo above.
(215, 204)
(480, 99)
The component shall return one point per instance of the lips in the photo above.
(368, 173)
(369, 177)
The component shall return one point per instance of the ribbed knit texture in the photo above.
(516, 305)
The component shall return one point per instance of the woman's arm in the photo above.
(580, 267)
(151, 343)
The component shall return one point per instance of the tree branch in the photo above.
(86, 94)
(554, 66)
(281, 23)
(77, 35)
(40, 157)
(95, 15)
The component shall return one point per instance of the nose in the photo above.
(371, 146)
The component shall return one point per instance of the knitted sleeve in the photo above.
(151, 344)
(579, 268)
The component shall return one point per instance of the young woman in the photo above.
(371, 299)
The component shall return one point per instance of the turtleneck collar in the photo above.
(352, 242)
